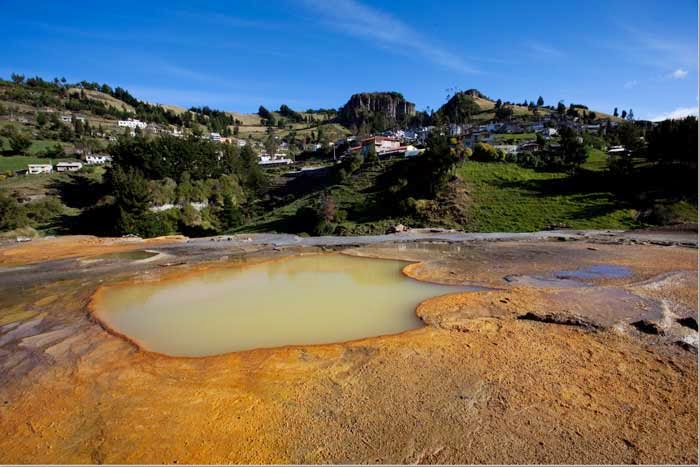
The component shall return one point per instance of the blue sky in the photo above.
(236, 55)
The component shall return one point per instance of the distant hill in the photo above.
(473, 105)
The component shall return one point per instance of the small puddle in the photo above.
(571, 279)
(297, 301)
(598, 271)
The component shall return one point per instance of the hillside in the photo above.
(472, 105)
(106, 99)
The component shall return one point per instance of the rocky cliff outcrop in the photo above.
(368, 107)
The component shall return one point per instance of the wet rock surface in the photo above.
(531, 366)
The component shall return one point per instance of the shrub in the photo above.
(12, 214)
(484, 152)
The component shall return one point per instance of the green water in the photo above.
(302, 300)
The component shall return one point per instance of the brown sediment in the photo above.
(475, 385)
(67, 247)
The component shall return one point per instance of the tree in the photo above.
(540, 101)
(371, 158)
(18, 141)
(674, 141)
(328, 209)
(12, 214)
(561, 108)
(484, 152)
(230, 215)
(41, 119)
(630, 115)
(504, 112)
(615, 114)
(17, 79)
(271, 145)
(572, 152)
(129, 189)
(624, 114)
(266, 115)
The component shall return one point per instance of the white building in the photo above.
(617, 151)
(69, 166)
(507, 148)
(97, 159)
(278, 159)
(66, 118)
(216, 137)
(39, 169)
(132, 123)
(382, 144)
(455, 130)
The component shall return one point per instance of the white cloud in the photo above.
(631, 84)
(649, 49)
(384, 30)
(678, 74)
(680, 112)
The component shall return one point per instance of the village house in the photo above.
(454, 129)
(69, 166)
(507, 148)
(477, 137)
(548, 132)
(530, 146)
(132, 123)
(67, 118)
(277, 159)
(381, 144)
(618, 151)
(97, 159)
(39, 169)
(215, 137)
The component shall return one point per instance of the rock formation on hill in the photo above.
(366, 107)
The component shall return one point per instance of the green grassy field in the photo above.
(507, 197)
(597, 160)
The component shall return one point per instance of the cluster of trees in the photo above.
(16, 215)
(19, 141)
(290, 114)
(215, 120)
(674, 142)
(459, 109)
(222, 181)
(625, 115)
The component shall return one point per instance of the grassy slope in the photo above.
(355, 197)
(507, 197)
(104, 98)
